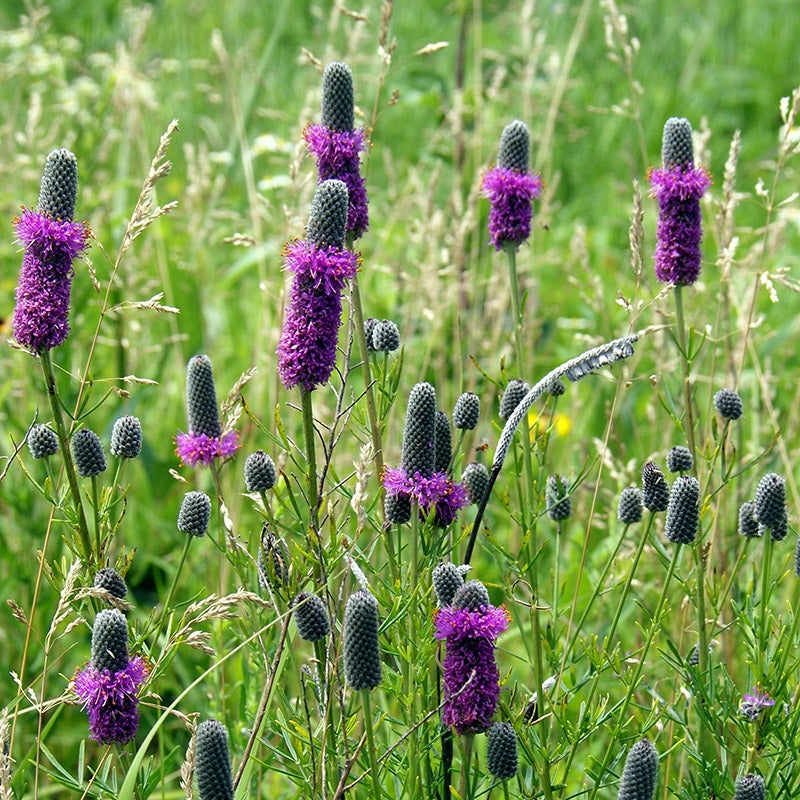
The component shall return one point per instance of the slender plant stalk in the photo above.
(311, 458)
(165, 608)
(373, 758)
(66, 453)
(680, 335)
(465, 787)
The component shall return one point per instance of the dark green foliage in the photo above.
(110, 640)
(87, 451)
(59, 187)
(212, 761)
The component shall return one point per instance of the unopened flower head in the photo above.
(678, 187)
(501, 751)
(126, 437)
(750, 787)
(273, 560)
(212, 761)
(447, 579)
(111, 581)
(109, 685)
(336, 145)
(443, 445)
(475, 479)
(511, 189)
(655, 489)
(259, 472)
(320, 268)
(557, 498)
(631, 505)
(87, 450)
(205, 440)
(51, 241)
(385, 336)
(42, 441)
(640, 772)
(683, 510)
(729, 404)
(311, 617)
(470, 675)
(466, 411)
(194, 514)
(748, 524)
(679, 459)
(362, 662)
(512, 397)
(769, 506)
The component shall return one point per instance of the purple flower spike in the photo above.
(439, 493)
(194, 449)
(321, 267)
(469, 673)
(510, 194)
(337, 156)
(41, 314)
(111, 700)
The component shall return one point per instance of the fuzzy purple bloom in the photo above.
(439, 492)
(111, 700)
(753, 705)
(510, 194)
(337, 154)
(41, 314)
(678, 191)
(307, 347)
(469, 673)
(193, 448)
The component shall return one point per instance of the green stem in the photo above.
(465, 788)
(702, 643)
(680, 333)
(66, 453)
(373, 758)
(765, 595)
(171, 592)
(311, 458)
(96, 509)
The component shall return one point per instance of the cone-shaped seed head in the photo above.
(259, 472)
(471, 596)
(442, 442)
(385, 336)
(466, 411)
(195, 513)
(447, 580)
(110, 580)
(750, 787)
(557, 500)
(475, 478)
(337, 97)
(59, 187)
(655, 490)
(683, 510)
(748, 524)
(362, 661)
(630, 505)
(501, 750)
(87, 451)
(676, 145)
(398, 508)
(369, 329)
(311, 617)
(110, 641)
(557, 388)
(639, 776)
(42, 441)
(126, 437)
(679, 459)
(212, 761)
(327, 221)
(512, 396)
(419, 433)
(515, 145)
(728, 404)
(201, 398)
(770, 502)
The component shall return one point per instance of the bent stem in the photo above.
(66, 453)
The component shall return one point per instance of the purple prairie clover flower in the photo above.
(469, 672)
(753, 705)
(511, 189)
(336, 145)
(678, 187)
(320, 267)
(438, 493)
(205, 440)
(109, 685)
(41, 314)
